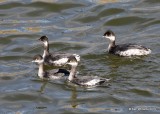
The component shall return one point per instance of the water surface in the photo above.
(77, 27)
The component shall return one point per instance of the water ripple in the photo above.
(77, 27)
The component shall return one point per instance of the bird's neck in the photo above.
(41, 70)
(111, 46)
(46, 49)
(72, 73)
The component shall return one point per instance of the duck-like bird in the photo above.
(55, 59)
(88, 81)
(124, 49)
(52, 74)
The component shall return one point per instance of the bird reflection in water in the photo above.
(42, 88)
(73, 98)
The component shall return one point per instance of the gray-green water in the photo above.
(76, 26)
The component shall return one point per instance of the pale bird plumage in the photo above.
(132, 52)
(92, 82)
(112, 38)
(60, 62)
(45, 43)
(77, 57)
(73, 63)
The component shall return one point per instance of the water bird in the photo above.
(124, 49)
(52, 74)
(88, 81)
(55, 59)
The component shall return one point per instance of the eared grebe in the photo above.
(52, 74)
(55, 59)
(84, 80)
(124, 49)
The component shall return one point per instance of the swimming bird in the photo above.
(52, 74)
(88, 81)
(124, 49)
(55, 59)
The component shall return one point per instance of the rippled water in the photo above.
(77, 27)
